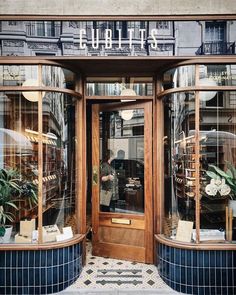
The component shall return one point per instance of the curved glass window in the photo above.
(57, 77)
(183, 76)
(179, 159)
(218, 161)
(201, 127)
(22, 160)
(16, 75)
(217, 75)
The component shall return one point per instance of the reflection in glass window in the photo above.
(179, 161)
(18, 168)
(122, 161)
(58, 166)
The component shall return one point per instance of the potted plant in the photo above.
(6, 202)
(13, 191)
(224, 179)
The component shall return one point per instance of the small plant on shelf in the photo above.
(222, 181)
(8, 190)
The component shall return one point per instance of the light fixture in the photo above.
(127, 114)
(31, 95)
(207, 95)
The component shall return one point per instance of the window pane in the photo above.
(58, 167)
(179, 162)
(218, 160)
(122, 161)
(18, 168)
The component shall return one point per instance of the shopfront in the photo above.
(125, 129)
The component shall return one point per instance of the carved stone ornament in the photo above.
(48, 46)
(13, 43)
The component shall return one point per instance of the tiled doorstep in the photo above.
(111, 276)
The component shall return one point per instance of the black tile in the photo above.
(55, 288)
(43, 277)
(43, 290)
(66, 255)
(31, 258)
(55, 257)
(43, 258)
(87, 282)
(2, 290)
(151, 282)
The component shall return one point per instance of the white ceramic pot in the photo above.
(232, 204)
(7, 236)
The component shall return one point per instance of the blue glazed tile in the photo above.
(2, 278)
(31, 258)
(8, 258)
(212, 277)
(188, 258)
(12, 262)
(25, 257)
(14, 277)
(177, 287)
(195, 290)
(49, 258)
(55, 257)
(19, 258)
(201, 276)
(26, 278)
(8, 290)
(42, 290)
(200, 258)
(2, 290)
(8, 277)
(189, 289)
(61, 273)
(207, 276)
(43, 258)
(37, 277)
(66, 255)
(61, 256)
(43, 277)
(213, 290)
(212, 258)
(2, 259)
(55, 274)
(194, 258)
(49, 275)
(183, 279)
(49, 290)
(219, 290)
(55, 288)
(229, 257)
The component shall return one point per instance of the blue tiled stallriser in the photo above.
(199, 272)
(39, 271)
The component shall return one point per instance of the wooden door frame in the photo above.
(148, 187)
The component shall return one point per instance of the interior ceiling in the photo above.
(91, 65)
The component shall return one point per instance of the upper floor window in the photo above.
(215, 31)
(43, 28)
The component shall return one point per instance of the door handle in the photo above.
(95, 175)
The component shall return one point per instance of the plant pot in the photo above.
(7, 236)
(232, 204)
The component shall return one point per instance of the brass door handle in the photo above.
(95, 175)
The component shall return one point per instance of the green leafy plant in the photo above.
(229, 175)
(13, 189)
(6, 202)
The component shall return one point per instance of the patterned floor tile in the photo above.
(104, 275)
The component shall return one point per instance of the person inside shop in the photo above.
(109, 184)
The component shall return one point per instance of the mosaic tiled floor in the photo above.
(111, 276)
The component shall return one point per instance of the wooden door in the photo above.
(124, 228)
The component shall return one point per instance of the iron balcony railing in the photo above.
(216, 48)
